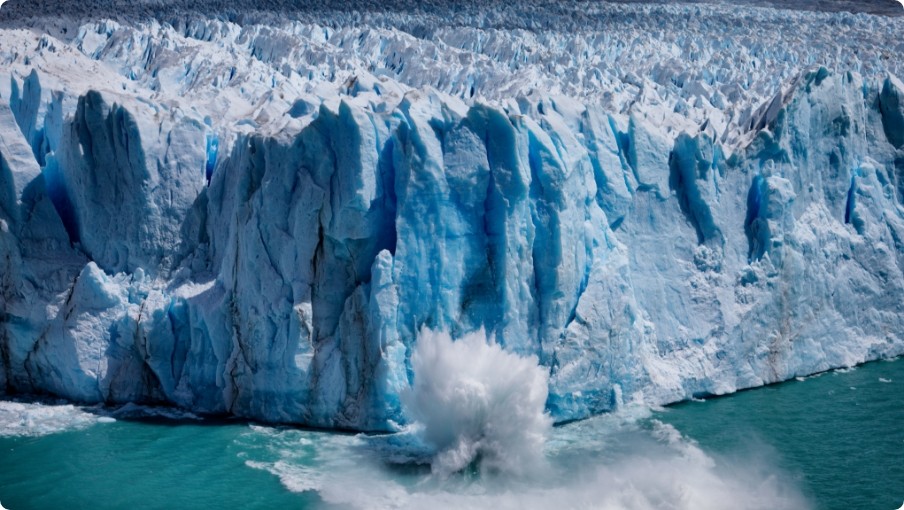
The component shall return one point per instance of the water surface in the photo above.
(829, 442)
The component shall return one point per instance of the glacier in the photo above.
(256, 213)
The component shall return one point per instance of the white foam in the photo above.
(625, 461)
(38, 419)
(293, 477)
(472, 399)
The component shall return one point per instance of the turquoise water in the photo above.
(840, 433)
(827, 442)
(137, 465)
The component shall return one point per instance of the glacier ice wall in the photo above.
(236, 217)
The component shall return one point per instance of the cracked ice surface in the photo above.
(256, 212)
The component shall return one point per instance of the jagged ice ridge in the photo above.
(256, 216)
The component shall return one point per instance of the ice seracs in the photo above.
(257, 217)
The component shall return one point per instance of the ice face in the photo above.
(258, 218)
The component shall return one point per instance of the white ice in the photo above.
(257, 214)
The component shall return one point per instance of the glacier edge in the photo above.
(284, 275)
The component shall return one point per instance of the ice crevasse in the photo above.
(278, 261)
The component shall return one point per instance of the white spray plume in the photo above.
(474, 400)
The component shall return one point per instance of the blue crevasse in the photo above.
(213, 147)
(293, 286)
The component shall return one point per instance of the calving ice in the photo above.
(472, 400)
(257, 215)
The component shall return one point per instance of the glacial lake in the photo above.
(832, 441)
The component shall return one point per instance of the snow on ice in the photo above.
(257, 214)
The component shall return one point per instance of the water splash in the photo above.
(627, 461)
(473, 400)
(475, 405)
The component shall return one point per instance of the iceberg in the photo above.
(255, 214)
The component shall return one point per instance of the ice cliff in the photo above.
(256, 214)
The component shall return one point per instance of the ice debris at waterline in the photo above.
(39, 419)
(256, 213)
